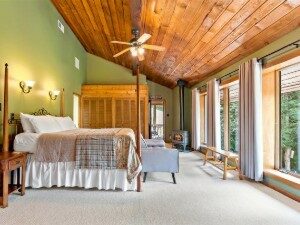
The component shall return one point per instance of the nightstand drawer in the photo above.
(14, 164)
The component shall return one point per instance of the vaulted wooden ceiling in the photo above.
(201, 37)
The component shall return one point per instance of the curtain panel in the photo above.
(250, 120)
(213, 114)
(195, 119)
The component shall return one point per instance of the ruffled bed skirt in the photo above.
(64, 174)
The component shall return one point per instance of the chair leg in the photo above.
(174, 179)
(145, 176)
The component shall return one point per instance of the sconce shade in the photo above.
(53, 94)
(27, 85)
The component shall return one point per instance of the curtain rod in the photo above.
(296, 44)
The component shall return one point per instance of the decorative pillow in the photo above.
(44, 124)
(66, 123)
(26, 124)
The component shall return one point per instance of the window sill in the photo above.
(282, 177)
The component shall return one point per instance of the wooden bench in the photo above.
(223, 163)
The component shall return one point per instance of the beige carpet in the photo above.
(200, 197)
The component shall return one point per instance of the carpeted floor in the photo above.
(200, 197)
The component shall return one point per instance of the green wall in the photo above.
(102, 71)
(35, 49)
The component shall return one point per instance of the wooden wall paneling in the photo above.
(119, 113)
(133, 114)
(269, 118)
(108, 113)
(85, 111)
(93, 114)
(126, 113)
(113, 112)
(105, 106)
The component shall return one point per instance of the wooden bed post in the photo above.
(5, 112)
(138, 122)
(136, 18)
(62, 102)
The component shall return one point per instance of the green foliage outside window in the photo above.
(233, 125)
(290, 122)
(222, 124)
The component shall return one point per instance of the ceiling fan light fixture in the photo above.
(134, 52)
(141, 51)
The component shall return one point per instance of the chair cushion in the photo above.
(155, 143)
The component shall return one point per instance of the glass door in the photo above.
(157, 119)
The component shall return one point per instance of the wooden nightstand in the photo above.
(9, 162)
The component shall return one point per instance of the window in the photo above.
(289, 152)
(222, 117)
(233, 117)
(229, 115)
(76, 102)
(157, 119)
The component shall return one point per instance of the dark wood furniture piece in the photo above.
(9, 162)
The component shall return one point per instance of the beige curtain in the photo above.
(250, 120)
(195, 119)
(213, 114)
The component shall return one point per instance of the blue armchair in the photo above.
(160, 159)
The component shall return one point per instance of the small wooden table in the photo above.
(226, 155)
(9, 162)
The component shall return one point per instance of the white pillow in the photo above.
(66, 123)
(26, 124)
(45, 124)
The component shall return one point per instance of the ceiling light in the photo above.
(141, 51)
(133, 52)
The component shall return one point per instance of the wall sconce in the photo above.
(53, 94)
(26, 86)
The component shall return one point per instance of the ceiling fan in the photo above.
(137, 45)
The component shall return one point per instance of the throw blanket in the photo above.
(112, 148)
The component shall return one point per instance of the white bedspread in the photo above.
(26, 142)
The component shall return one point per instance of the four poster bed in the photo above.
(63, 155)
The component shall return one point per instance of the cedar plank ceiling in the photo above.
(201, 37)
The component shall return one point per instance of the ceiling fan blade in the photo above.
(144, 38)
(122, 52)
(141, 57)
(154, 47)
(120, 42)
